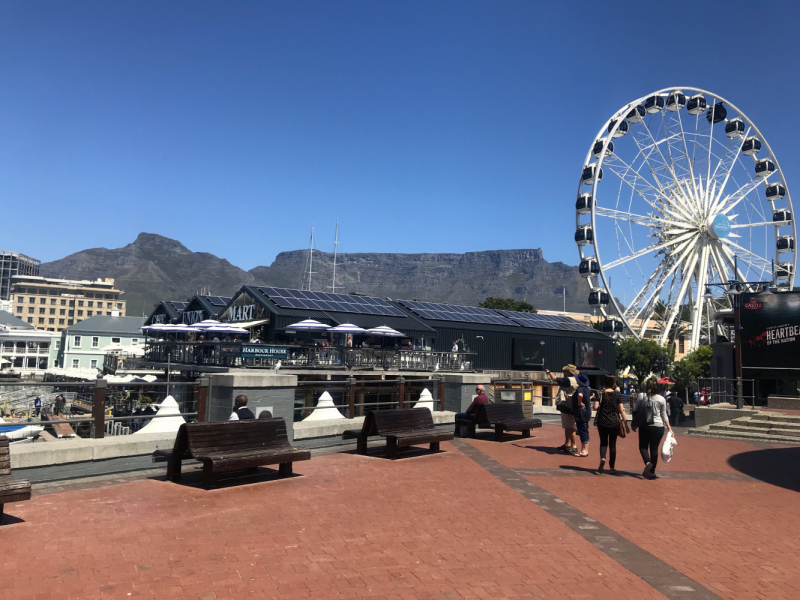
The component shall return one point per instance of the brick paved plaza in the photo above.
(480, 520)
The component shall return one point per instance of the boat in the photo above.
(18, 433)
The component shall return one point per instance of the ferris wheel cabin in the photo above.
(750, 146)
(716, 113)
(636, 115)
(613, 325)
(764, 167)
(734, 128)
(775, 191)
(588, 174)
(623, 128)
(598, 297)
(785, 243)
(696, 104)
(782, 216)
(784, 270)
(584, 235)
(584, 204)
(598, 148)
(654, 104)
(676, 101)
(589, 267)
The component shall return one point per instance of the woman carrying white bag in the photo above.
(650, 418)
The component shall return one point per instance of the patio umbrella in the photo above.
(666, 381)
(308, 325)
(385, 330)
(226, 329)
(206, 324)
(347, 328)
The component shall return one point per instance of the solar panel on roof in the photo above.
(333, 302)
(537, 321)
(218, 300)
(463, 314)
(180, 306)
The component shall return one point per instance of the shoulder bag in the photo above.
(621, 419)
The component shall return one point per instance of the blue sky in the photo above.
(422, 126)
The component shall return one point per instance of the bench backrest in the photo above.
(216, 436)
(503, 411)
(402, 419)
(5, 456)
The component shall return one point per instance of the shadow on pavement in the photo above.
(546, 449)
(10, 520)
(777, 466)
(193, 478)
(593, 471)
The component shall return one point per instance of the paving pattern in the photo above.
(457, 524)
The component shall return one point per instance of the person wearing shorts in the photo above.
(567, 386)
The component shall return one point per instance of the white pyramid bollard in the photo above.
(425, 400)
(325, 410)
(165, 424)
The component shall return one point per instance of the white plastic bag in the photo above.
(667, 448)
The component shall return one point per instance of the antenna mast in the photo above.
(310, 260)
(335, 246)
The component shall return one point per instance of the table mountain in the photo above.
(154, 268)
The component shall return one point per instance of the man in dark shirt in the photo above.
(473, 408)
(240, 410)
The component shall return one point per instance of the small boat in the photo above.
(18, 433)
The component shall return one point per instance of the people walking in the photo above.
(610, 420)
(582, 411)
(650, 418)
(567, 386)
(37, 405)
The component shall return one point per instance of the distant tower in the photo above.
(335, 246)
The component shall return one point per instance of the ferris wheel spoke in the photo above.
(733, 199)
(631, 177)
(676, 306)
(629, 313)
(661, 154)
(637, 219)
(689, 161)
(754, 260)
(725, 165)
(646, 150)
(697, 316)
(761, 224)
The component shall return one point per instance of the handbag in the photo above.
(621, 419)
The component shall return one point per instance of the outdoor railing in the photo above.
(255, 355)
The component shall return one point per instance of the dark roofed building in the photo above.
(168, 311)
(201, 308)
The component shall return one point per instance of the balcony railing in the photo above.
(239, 354)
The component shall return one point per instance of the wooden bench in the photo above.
(401, 427)
(11, 490)
(224, 446)
(502, 416)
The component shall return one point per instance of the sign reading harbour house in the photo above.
(263, 351)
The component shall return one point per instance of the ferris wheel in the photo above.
(679, 190)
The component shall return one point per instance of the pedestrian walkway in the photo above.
(480, 520)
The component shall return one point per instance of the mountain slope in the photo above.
(155, 268)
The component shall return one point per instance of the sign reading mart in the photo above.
(263, 351)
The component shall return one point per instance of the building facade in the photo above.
(55, 304)
(85, 344)
(11, 264)
(23, 349)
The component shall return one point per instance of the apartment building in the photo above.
(11, 264)
(54, 304)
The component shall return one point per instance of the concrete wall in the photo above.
(271, 390)
(459, 389)
(783, 402)
(707, 415)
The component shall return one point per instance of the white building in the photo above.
(25, 350)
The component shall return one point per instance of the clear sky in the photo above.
(422, 126)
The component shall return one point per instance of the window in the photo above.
(62, 311)
(42, 300)
(90, 295)
(680, 345)
(80, 302)
(51, 322)
(42, 311)
(115, 340)
(76, 341)
(30, 320)
(80, 313)
(20, 298)
(90, 304)
(32, 300)
(52, 311)
(61, 321)
(58, 344)
(42, 363)
(93, 363)
(50, 328)
(95, 342)
(119, 305)
(72, 302)
(72, 313)
(41, 320)
(108, 304)
(88, 313)
(76, 363)
(108, 296)
(134, 341)
(63, 302)
(31, 362)
(52, 301)
(108, 314)
(31, 310)
(19, 309)
(69, 321)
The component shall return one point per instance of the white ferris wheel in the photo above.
(680, 190)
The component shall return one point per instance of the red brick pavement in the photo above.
(416, 528)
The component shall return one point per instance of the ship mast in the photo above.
(335, 246)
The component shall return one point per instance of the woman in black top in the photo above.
(610, 410)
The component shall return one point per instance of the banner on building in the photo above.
(771, 330)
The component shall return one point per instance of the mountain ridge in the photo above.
(154, 268)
